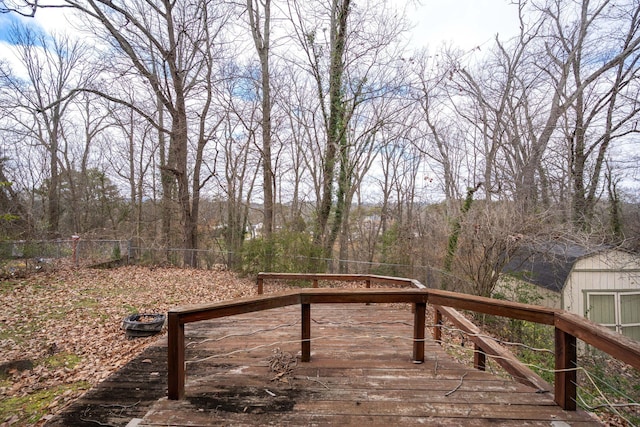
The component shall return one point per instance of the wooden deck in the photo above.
(242, 370)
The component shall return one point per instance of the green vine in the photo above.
(456, 227)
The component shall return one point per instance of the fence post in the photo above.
(74, 256)
(566, 374)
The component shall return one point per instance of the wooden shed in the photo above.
(600, 283)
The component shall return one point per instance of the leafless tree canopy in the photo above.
(309, 135)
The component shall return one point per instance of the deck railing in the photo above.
(568, 327)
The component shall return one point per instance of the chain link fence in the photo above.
(200, 258)
(22, 256)
(18, 257)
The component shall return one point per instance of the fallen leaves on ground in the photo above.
(60, 332)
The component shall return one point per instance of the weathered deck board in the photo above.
(360, 373)
(126, 394)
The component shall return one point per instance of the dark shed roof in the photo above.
(547, 264)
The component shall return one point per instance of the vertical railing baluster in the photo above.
(437, 326)
(479, 358)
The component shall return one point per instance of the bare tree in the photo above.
(334, 110)
(170, 46)
(260, 24)
(242, 164)
(605, 111)
(133, 160)
(572, 30)
(351, 58)
(493, 233)
(520, 97)
(55, 67)
(434, 126)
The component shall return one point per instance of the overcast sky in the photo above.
(463, 23)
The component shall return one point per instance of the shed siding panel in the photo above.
(608, 271)
(612, 260)
(591, 273)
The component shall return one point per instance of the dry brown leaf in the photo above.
(51, 316)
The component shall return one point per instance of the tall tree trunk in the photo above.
(53, 195)
(167, 182)
(336, 121)
(261, 38)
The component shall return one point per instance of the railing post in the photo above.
(367, 285)
(315, 283)
(479, 358)
(260, 285)
(175, 357)
(437, 323)
(306, 332)
(566, 374)
(418, 332)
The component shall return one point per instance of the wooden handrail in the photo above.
(316, 277)
(178, 317)
(616, 345)
(513, 310)
(568, 327)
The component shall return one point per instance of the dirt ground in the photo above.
(60, 332)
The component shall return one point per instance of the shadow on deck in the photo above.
(245, 370)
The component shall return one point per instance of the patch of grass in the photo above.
(29, 409)
(6, 286)
(18, 334)
(86, 303)
(68, 360)
(130, 309)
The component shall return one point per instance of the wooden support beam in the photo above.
(418, 331)
(479, 358)
(175, 357)
(374, 295)
(503, 357)
(437, 325)
(566, 374)
(260, 285)
(306, 332)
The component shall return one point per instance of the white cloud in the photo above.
(463, 23)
